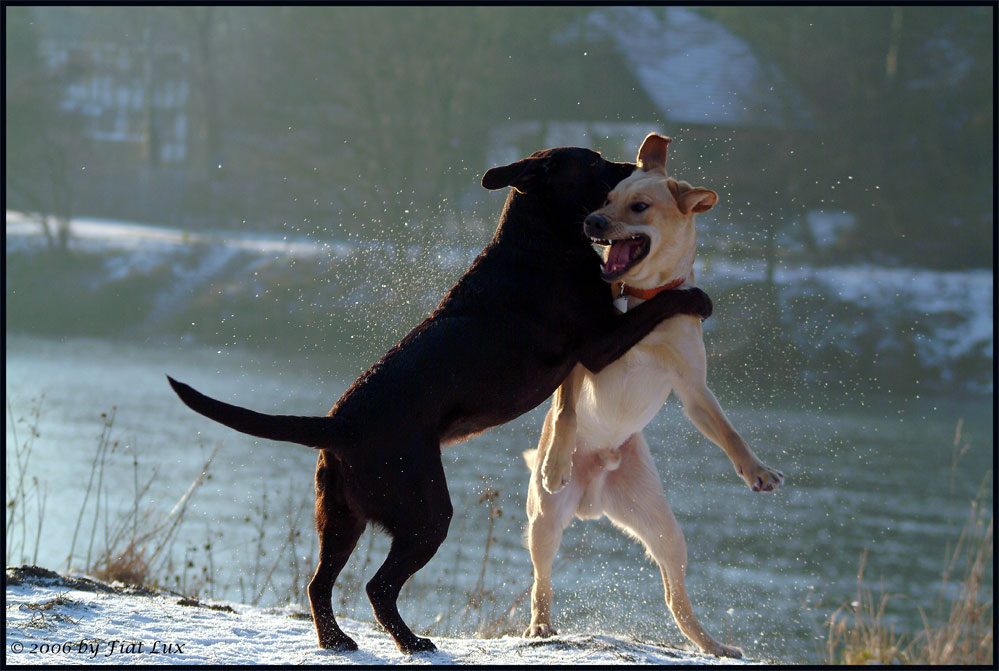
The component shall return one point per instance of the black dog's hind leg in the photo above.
(416, 535)
(339, 528)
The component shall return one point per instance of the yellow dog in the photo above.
(593, 430)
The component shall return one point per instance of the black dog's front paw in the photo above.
(697, 302)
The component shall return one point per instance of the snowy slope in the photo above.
(52, 619)
(937, 326)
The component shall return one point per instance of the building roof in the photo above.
(693, 69)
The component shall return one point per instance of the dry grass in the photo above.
(133, 543)
(129, 545)
(966, 635)
(137, 537)
(493, 618)
(958, 631)
(20, 490)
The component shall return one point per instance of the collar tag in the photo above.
(621, 303)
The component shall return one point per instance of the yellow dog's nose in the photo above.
(595, 225)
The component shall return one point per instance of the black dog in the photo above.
(530, 308)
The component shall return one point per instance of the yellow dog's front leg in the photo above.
(701, 406)
(703, 409)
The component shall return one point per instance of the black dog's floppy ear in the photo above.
(519, 175)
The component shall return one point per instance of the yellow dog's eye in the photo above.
(639, 207)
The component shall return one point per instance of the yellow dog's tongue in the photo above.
(621, 252)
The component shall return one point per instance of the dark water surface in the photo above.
(764, 569)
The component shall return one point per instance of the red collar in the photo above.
(646, 294)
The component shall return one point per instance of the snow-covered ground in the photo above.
(53, 619)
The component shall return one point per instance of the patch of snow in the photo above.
(51, 620)
(966, 294)
(951, 310)
(827, 227)
(91, 234)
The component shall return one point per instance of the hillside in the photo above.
(861, 328)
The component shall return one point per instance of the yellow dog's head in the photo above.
(647, 223)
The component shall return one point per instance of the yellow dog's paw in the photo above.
(760, 477)
(719, 650)
(539, 630)
(555, 474)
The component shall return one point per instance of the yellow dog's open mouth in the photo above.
(622, 255)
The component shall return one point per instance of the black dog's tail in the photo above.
(315, 432)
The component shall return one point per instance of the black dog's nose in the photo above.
(596, 223)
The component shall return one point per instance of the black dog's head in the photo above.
(569, 181)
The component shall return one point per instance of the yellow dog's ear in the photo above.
(691, 199)
(652, 155)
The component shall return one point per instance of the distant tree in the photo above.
(903, 104)
(41, 140)
(398, 102)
